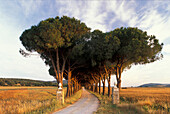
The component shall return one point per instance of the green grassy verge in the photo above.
(106, 106)
(54, 106)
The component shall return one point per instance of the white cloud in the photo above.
(88, 12)
(29, 6)
(122, 10)
(148, 17)
(70, 8)
(154, 21)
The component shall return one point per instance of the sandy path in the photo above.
(87, 104)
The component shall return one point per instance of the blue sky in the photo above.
(152, 16)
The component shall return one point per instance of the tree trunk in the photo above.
(72, 88)
(69, 83)
(99, 85)
(119, 84)
(60, 70)
(58, 66)
(104, 79)
(96, 85)
(77, 86)
(59, 79)
(74, 91)
(109, 92)
(93, 87)
(62, 79)
(119, 79)
(54, 66)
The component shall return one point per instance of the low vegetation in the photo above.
(106, 106)
(32, 100)
(137, 100)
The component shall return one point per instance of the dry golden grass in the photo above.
(25, 99)
(153, 100)
(23, 87)
(107, 107)
(137, 100)
(157, 95)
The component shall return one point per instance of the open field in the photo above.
(152, 100)
(157, 95)
(30, 100)
(25, 87)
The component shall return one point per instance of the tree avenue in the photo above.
(54, 39)
(87, 58)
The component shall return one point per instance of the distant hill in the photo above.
(155, 85)
(25, 82)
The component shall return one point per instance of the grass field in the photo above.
(151, 100)
(157, 95)
(14, 100)
(25, 87)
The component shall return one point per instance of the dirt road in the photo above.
(87, 104)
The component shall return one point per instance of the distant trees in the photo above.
(24, 82)
(89, 58)
(2, 82)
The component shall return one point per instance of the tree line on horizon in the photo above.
(85, 57)
(24, 82)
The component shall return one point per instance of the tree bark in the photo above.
(109, 92)
(119, 79)
(60, 71)
(58, 66)
(54, 66)
(96, 87)
(118, 76)
(93, 87)
(74, 90)
(69, 82)
(71, 87)
(77, 86)
(99, 85)
(104, 79)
